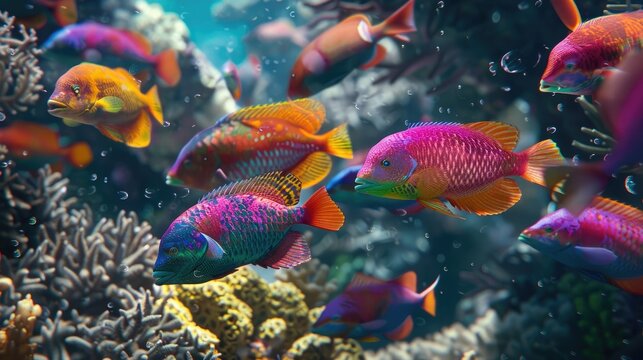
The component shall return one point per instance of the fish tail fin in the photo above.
(321, 212)
(428, 297)
(80, 154)
(400, 22)
(167, 67)
(154, 104)
(339, 142)
(540, 156)
(633, 285)
(574, 187)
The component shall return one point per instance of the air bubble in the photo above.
(493, 68)
(560, 107)
(630, 185)
(495, 17)
(3, 117)
(166, 123)
(457, 245)
(538, 3)
(523, 5)
(551, 129)
(440, 4)
(104, 153)
(32, 220)
(123, 195)
(540, 283)
(505, 88)
(512, 62)
(93, 177)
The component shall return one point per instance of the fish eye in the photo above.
(549, 230)
(570, 66)
(76, 89)
(173, 251)
(385, 163)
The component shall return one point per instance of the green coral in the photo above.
(602, 330)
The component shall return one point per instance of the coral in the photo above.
(314, 313)
(449, 343)
(286, 301)
(19, 73)
(250, 288)
(311, 346)
(15, 337)
(312, 279)
(271, 333)
(214, 307)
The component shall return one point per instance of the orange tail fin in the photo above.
(167, 67)
(633, 286)
(540, 156)
(80, 154)
(154, 104)
(321, 211)
(428, 296)
(567, 12)
(400, 22)
(339, 143)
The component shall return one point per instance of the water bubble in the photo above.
(493, 68)
(123, 268)
(3, 117)
(92, 190)
(32, 220)
(540, 283)
(409, 92)
(292, 14)
(441, 110)
(457, 245)
(440, 258)
(4, 164)
(182, 193)
(630, 185)
(551, 129)
(105, 180)
(426, 235)
(186, 99)
(440, 4)
(538, 3)
(495, 17)
(17, 253)
(560, 107)
(166, 123)
(369, 246)
(197, 274)
(550, 315)
(110, 305)
(512, 62)
(576, 159)
(93, 177)
(15, 243)
(459, 87)
(104, 153)
(523, 5)
(445, 269)
(160, 204)
(505, 88)
(437, 48)
(123, 195)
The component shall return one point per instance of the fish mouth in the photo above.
(171, 180)
(365, 184)
(162, 277)
(581, 89)
(55, 105)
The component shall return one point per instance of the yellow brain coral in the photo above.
(287, 302)
(250, 288)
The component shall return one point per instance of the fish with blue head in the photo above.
(370, 309)
(246, 222)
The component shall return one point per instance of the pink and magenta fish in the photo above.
(92, 40)
(247, 222)
(605, 242)
(467, 165)
(370, 309)
(579, 63)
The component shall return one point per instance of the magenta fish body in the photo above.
(247, 222)
(466, 164)
(604, 241)
(580, 62)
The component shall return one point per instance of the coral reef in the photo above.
(451, 342)
(312, 279)
(19, 71)
(15, 338)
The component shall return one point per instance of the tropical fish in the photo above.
(579, 63)
(622, 110)
(232, 79)
(342, 190)
(260, 139)
(37, 142)
(371, 309)
(33, 13)
(93, 41)
(109, 99)
(465, 164)
(352, 43)
(247, 222)
(605, 241)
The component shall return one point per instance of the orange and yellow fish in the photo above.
(33, 141)
(109, 99)
(351, 44)
(35, 13)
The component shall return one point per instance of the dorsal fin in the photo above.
(505, 134)
(275, 186)
(408, 280)
(140, 40)
(431, 123)
(360, 280)
(307, 114)
(628, 212)
(128, 75)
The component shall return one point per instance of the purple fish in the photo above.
(247, 222)
(370, 309)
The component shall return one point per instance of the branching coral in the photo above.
(450, 343)
(15, 337)
(19, 71)
(312, 279)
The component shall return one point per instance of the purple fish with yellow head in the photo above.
(247, 222)
(605, 241)
(371, 309)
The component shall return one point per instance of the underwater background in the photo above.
(79, 243)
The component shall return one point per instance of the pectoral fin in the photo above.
(110, 104)
(71, 123)
(402, 331)
(495, 199)
(136, 133)
(378, 56)
(439, 206)
(596, 256)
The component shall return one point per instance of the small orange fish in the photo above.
(31, 140)
(109, 99)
